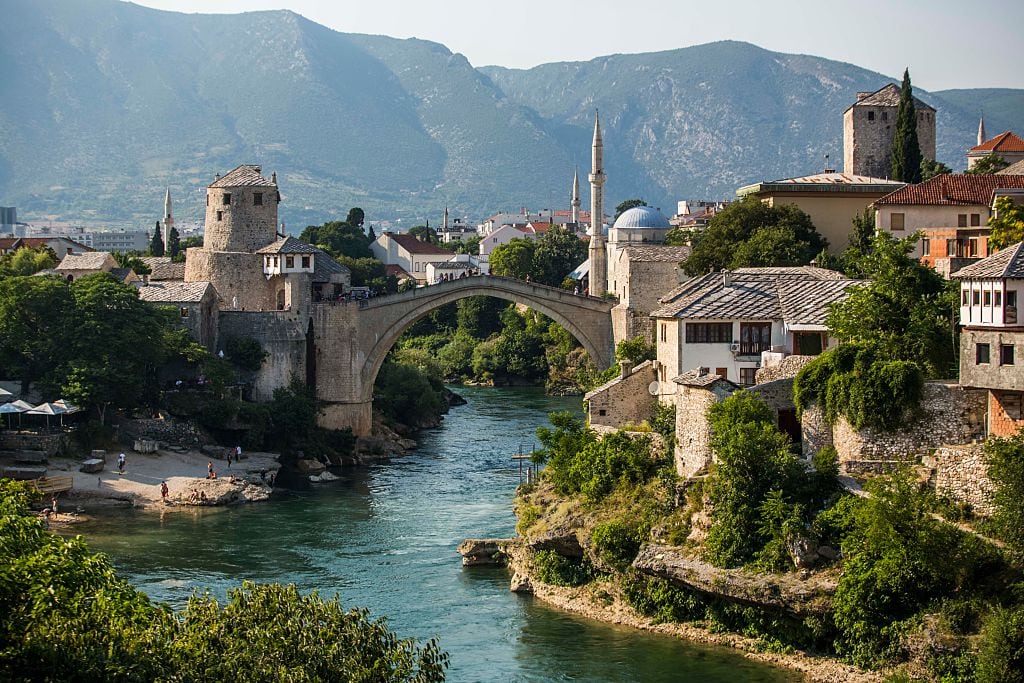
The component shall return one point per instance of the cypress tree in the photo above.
(906, 151)
(173, 242)
(156, 244)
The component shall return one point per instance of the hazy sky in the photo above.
(946, 43)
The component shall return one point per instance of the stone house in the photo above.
(61, 246)
(726, 321)
(1008, 146)
(196, 304)
(869, 125)
(74, 266)
(952, 211)
(641, 275)
(623, 401)
(409, 252)
(832, 200)
(992, 335)
(294, 268)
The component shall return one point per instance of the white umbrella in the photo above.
(4, 394)
(15, 407)
(48, 409)
(69, 408)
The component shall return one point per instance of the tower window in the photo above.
(220, 215)
(885, 116)
(305, 262)
(289, 261)
(257, 198)
(871, 116)
(184, 312)
(227, 198)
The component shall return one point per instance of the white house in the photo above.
(499, 236)
(459, 266)
(411, 254)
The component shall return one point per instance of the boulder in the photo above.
(323, 477)
(829, 553)
(310, 466)
(520, 583)
(92, 466)
(30, 457)
(145, 446)
(212, 450)
(803, 552)
(565, 544)
(97, 454)
(484, 552)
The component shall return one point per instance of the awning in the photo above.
(582, 270)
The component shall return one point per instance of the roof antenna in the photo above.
(828, 168)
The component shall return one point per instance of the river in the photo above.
(385, 538)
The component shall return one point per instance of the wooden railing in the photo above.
(54, 484)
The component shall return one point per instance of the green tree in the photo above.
(1007, 227)
(371, 236)
(338, 239)
(1005, 460)
(37, 319)
(626, 205)
(556, 253)
(132, 259)
(987, 165)
(156, 243)
(931, 168)
(1001, 659)
(863, 231)
(513, 259)
(425, 233)
(355, 217)
(27, 261)
(480, 316)
(187, 244)
(173, 243)
(783, 229)
(471, 245)
(906, 150)
(636, 350)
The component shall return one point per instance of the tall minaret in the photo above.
(576, 199)
(168, 221)
(598, 251)
(444, 226)
(981, 130)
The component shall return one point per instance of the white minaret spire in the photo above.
(598, 251)
(168, 221)
(981, 129)
(576, 199)
(444, 227)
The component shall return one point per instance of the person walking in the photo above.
(120, 463)
(238, 453)
(163, 491)
(209, 470)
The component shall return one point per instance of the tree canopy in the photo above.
(547, 259)
(1007, 227)
(338, 238)
(906, 150)
(626, 205)
(988, 164)
(27, 261)
(750, 233)
(156, 243)
(931, 168)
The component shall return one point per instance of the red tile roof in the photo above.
(37, 242)
(1006, 142)
(415, 246)
(953, 190)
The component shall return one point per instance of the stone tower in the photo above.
(598, 251)
(869, 126)
(241, 218)
(168, 221)
(575, 199)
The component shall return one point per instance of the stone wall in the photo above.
(170, 430)
(281, 336)
(788, 367)
(693, 452)
(50, 444)
(960, 473)
(237, 277)
(243, 225)
(992, 375)
(867, 143)
(624, 400)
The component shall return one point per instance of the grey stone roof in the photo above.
(124, 274)
(452, 265)
(793, 273)
(324, 266)
(288, 245)
(1013, 169)
(696, 378)
(174, 292)
(244, 175)
(91, 260)
(1007, 263)
(657, 254)
(163, 268)
(806, 303)
(888, 96)
(646, 365)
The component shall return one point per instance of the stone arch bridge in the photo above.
(347, 341)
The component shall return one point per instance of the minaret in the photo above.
(576, 199)
(598, 251)
(981, 130)
(444, 228)
(168, 221)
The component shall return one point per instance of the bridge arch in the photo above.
(586, 318)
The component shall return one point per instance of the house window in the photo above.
(963, 297)
(305, 262)
(975, 219)
(220, 215)
(257, 198)
(987, 297)
(951, 247)
(1006, 354)
(602, 412)
(275, 262)
(998, 298)
(897, 221)
(926, 247)
(416, 267)
(755, 338)
(184, 312)
(289, 261)
(972, 247)
(664, 331)
(871, 116)
(708, 333)
(207, 200)
(885, 116)
(976, 298)
(961, 220)
(981, 354)
(722, 372)
(747, 376)
(1011, 298)
(1011, 402)
(227, 198)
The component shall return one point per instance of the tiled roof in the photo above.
(793, 273)
(37, 242)
(124, 274)
(324, 266)
(288, 245)
(697, 378)
(951, 189)
(8, 242)
(537, 228)
(1006, 263)
(92, 260)
(396, 270)
(1005, 142)
(806, 303)
(656, 254)
(174, 292)
(246, 174)
(452, 265)
(416, 246)
(163, 268)
(1013, 169)
(888, 96)
(823, 182)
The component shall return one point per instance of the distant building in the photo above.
(8, 220)
(74, 266)
(869, 125)
(832, 200)
(61, 246)
(1008, 146)
(117, 240)
(992, 338)
(409, 253)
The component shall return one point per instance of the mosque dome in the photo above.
(642, 217)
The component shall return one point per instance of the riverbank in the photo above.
(603, 601)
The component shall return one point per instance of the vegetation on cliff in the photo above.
(68, 616)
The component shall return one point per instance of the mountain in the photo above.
(104, 104)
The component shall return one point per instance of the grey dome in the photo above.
(642, 217)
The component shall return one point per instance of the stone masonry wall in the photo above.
(693, 452)
(172, 431)
(624, 400)
(237, 277)
(50, 444)
(788, 367)
(243, 225)
(281, 335)
(960, 473)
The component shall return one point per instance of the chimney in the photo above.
(626, 367)
(703, 372)
(726, 278)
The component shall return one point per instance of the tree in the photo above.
(173, 243)
(1005, 460)
(26, 261)
(1007, 227)
(988, 164)
(625, 206)
(513, 259)
(636, 350)
(906, 150)
(156, 243)
(338, 239)
(371, 236)
(789, 238)
(471, 245)
(37, 316)
(931, 168)
(425, 233)
(556, 253)
(131, 259)
(355, 217)
(863, 231)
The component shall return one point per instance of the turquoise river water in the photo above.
(385, 538)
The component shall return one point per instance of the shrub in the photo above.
(661, 600)
(1001, 659)
(244, 352)
(1005, 459)
(559, 570)
(617, 543)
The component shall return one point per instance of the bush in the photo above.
(617, 543)
(244, 352)
(1005, 459)
(661, 600)
(559, 570)
(1001, 659)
